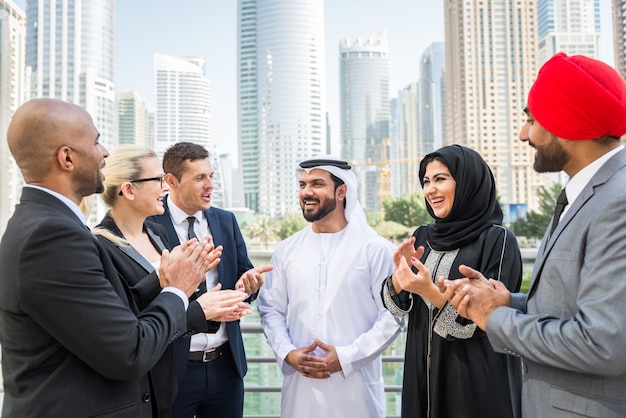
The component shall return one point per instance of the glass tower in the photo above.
(183, 97)
(12, 94)
(247, 125)
(133, 119)
(281, 97)
(431, 103)
(365, 112)
(69, 47)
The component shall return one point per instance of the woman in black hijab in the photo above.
(450, 369)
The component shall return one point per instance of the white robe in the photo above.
(327, 287)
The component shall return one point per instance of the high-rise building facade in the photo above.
(619, 35)
(183, 102)
(364, 104)
(247, 109)
(281, 97)
(491, 62)
(133, 119)
(570, 26)
(395, 152)
(70, 48)
(407, 166)
(12, 94)
(431, 98)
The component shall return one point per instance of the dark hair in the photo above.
(607, 140)
(338, 182)
(176, 157)
(429, 159)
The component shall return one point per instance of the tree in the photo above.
(536, 223)
(373, 218)
(393, 230)
(290, 224)
(409, 210)
(264, 228)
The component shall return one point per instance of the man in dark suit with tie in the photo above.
(73, 342)
(211, 363)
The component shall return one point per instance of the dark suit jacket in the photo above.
(73, 342)
(234, 263)
(144, 284)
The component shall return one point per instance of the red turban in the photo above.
(579, 98)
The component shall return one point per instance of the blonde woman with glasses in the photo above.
(134, 189)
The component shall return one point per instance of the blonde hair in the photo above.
(124, 163)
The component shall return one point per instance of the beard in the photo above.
(99, 187)
(551, 157)
(324, 209)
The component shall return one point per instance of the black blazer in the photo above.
(74, 344)
(234, 263)
(144, 284)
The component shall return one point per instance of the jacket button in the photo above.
(146, 397)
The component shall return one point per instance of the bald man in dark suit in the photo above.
(73, 342)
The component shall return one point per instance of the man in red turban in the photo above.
(569, 329)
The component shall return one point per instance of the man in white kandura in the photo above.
(321, 308)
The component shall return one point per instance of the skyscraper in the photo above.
(133, 119)
(408, 140)
(364, 102)
(281, 97)
(69, 46)
(12, 94)
(619, 35)
(570, 26)
(183, 97)
(247, 111)
(431, 98)
(491, 62)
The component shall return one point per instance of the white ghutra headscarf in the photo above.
(341, 169)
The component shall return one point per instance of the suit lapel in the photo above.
(166, 221)
(216, 233)
(110, 224)
(547, 244)
(39, 196)
(602, 176)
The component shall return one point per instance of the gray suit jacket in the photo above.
(570, 330)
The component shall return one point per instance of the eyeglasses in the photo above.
(159, 179)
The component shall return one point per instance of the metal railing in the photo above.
(255, 328)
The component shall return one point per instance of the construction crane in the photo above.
(384, 171)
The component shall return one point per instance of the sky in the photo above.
(208, 29)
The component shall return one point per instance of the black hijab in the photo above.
(475, 207)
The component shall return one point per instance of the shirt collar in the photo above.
(70, 204)
(577, 183)
(178, 215)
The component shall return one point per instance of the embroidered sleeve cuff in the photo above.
(446, 324)
(388, 301)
